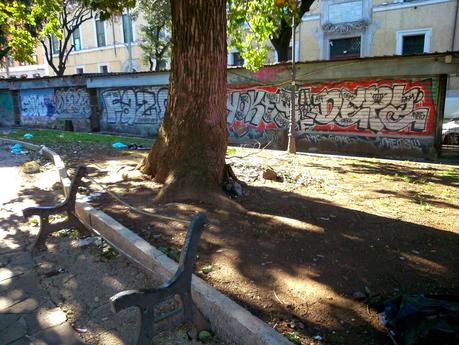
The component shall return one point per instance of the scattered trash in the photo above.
(204, 336)
(31, 167)
(270, 174)
(207, 269)
(137, 147)
(317, 337)
(81, 330)
(28, 136)
(16, 149)
(87, 241)
(422, 319)
(91, 196)
(325, 218)
(54, 272)
(359, 296)
(233, 188)
(119, 145)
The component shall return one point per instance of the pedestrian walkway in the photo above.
(27, 314)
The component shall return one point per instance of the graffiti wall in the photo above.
(133, 110)
(37, 107)
(340, 114)
(72, 103)
(6, 109)
(51, 107)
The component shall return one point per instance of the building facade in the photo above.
(14, 69)
(105, 46)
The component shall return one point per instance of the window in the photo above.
(345, 48)
(415, 41)
(79, 70)
(127, 29)
(237, 59)
(54, 44)
(413, 44)
(76, 40)
(100, 33)
(103, 68)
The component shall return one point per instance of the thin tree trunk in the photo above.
(189, 153)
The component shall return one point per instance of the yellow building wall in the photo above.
(114, 53)
(438, 17)
(309, 43)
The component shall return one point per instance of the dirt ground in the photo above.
(68, 271)
(320, 247)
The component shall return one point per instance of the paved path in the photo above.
(27, 313)
(46, 297)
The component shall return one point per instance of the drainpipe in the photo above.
(114, 37)
(454, 27)
(129, 41)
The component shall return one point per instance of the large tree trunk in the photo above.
(189, 153)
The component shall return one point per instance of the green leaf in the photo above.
(204, 336)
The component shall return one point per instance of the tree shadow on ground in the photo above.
(297, 257)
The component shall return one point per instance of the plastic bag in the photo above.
(119, 145)
(422, 319)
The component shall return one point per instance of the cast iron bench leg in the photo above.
(67, 206)
(180, 285)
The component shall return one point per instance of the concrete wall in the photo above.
(135, 110)
(51, 107)
(377, 117)
(379, 106)
(7, 117)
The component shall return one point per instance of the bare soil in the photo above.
(327, 230)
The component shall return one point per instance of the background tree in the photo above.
(22, 23)
(155, 36)
(251, 23)
(72, 15)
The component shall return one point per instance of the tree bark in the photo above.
(189, 152)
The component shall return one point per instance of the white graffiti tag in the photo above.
(391, 108)
(72, 103)
(134, 106)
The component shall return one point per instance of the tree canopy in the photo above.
(251, 23)
(155, 35)
(22, 23)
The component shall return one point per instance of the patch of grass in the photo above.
(170, 252)
(51, 136)
(71, 233)
(206, 269)
(425, 206)
(108, 252)
(449, 176)
(294, 337)
(230, 151)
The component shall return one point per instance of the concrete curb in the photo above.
(230, 321)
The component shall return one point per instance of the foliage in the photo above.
(22, 23)
(155, 37)
(251, 23)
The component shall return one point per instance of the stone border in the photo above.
(230, 321)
